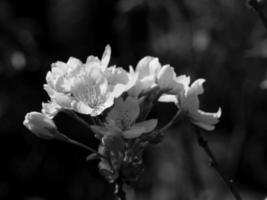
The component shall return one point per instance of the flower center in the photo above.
(90, 89)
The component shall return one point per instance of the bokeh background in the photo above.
(222, 41)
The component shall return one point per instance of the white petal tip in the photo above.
(219, 113)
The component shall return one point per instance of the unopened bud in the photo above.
(40, 125)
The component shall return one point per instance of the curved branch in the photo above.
(213, 162)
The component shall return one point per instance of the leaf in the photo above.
(92, 156)
(124, 113)
(139, 128)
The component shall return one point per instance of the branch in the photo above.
(257, 5)
(213, 162)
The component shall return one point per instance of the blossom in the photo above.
(187, 100)
(122, 120)
(152, 74)
(40, 125)
(87, 88)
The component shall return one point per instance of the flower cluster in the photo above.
(124, 100)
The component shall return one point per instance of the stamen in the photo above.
(87, 91)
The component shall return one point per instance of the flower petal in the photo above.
(206, 120)
(189, 98)
(168, 98)
(183, 79)
(81, 107)
(197, 87)
(50, 109)
(74, 63)
(55, 77)
(166, 78)
(62, 100)
(119, 80)
(148, 66)
(105, 57)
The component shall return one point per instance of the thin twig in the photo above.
(258, 6)
(213, 162)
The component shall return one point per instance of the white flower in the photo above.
(40, 125)
(151, 74)
(90, 92)
(187, 100)
(87, 88)
(121, 120)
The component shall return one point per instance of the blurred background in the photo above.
(222, 41)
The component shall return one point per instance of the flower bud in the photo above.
(166, 77)
(40, 125)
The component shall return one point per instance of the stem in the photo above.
(171, 122)
(257, 6)
(119, 192)
(85, 147)
(213, 162)
(64, 138)
(79, 119)
(157, 135)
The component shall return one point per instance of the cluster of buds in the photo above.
(124, 100)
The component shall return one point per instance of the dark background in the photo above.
(222, 41)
